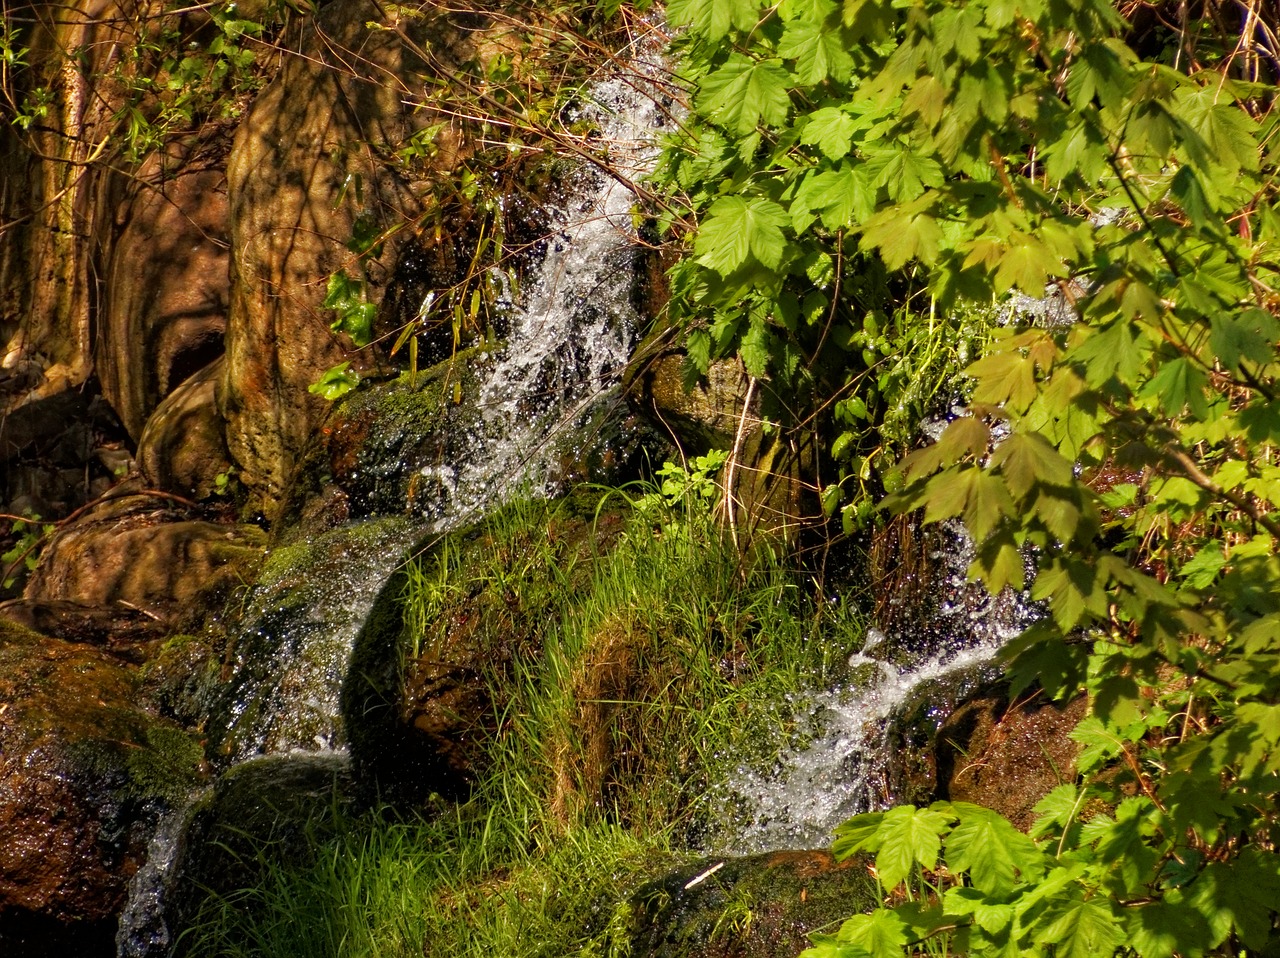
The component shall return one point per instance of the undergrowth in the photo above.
(660, 656)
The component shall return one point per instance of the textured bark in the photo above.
(299, 174)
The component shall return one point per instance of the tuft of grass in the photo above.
(641, 656)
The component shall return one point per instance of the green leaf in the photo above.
(900, 239)
(1161, 929)
(1028, 264)
(860, 833)
(880, 934)
(714, 18)
(1177, 384)
(991, 850)
(1249, 335)
(1239, 896)
(1004, 379)
(831, 130)
(1100, 743)
(744, 93)
(336, 382)
(841, 198)
(908, 836)
(903, 172)
(1116, 350)
(735, 228)
(819, 50)
(1026, 459)
(1084, 928)
(999, 563)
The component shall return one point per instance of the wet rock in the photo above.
(84, 772)
(704, 416)
(183, 448)
(287, 644)
(1007, 755)
(761, 906)
(135, 552)
(271, 811)
(391, 447)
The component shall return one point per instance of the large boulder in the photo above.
(769, 475)
(84, 772)
(1007, 755)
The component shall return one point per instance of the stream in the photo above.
(573, 328)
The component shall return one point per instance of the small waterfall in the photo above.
(572, 331)
(847, 732)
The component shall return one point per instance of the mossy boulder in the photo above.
(85, 771)
(286, 647)
(419, 697)
(759, 906)
(269, 812)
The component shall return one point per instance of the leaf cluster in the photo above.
(969, 153)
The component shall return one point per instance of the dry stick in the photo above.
(1191, 469)
(733, 463)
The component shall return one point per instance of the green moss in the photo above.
(764, 906)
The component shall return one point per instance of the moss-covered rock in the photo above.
(285, 650)
(84, 772)
(446, 633)
(267, 812)
(760, 906)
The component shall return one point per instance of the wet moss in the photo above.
(764, 906)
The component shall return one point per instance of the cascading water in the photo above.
(571, 334)
(841, 766)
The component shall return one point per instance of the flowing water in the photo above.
(572, 330)
(849, 733)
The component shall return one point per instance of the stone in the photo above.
(136, 552)
(768, 475)
(759, 906)
(84, 773)
(1007, 755)
(128, 634)
(183, 448)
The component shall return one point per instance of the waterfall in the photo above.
(572, 331)
(847, 741)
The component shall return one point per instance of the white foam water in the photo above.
(841, 766)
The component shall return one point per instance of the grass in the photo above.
(642, 655)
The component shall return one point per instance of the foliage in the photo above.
(28, 536)
(779, 163)
(996, 147)
(590, 784)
